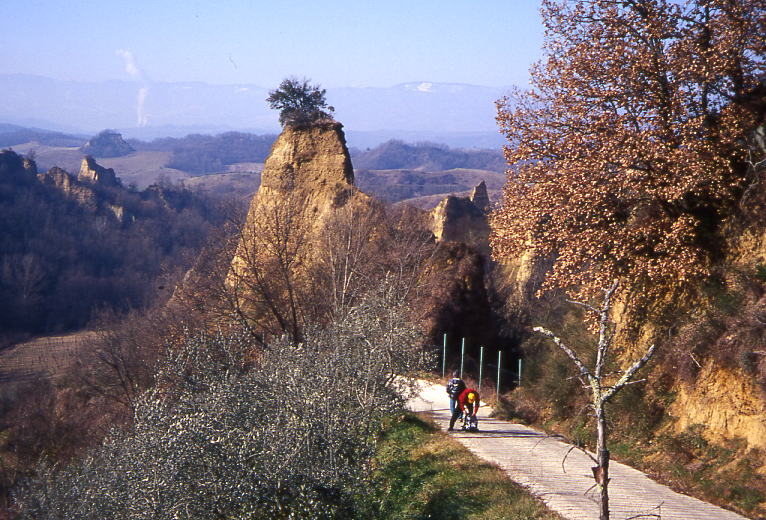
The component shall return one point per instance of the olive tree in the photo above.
(235, 430)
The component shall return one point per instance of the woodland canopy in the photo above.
(631, 148)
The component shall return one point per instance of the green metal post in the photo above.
(462, 357)
(481, 366)
(444, 356)
(499, 359)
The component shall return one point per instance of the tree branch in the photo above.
(628, 375)
(569, 352)
(604, 337)
(583, 304)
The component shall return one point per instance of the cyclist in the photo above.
(468, 402)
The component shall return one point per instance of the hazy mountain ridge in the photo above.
(396, 154)
(11, 135)
(454, 113)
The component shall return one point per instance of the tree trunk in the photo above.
(602, 473)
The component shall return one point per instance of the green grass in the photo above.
(421, 473)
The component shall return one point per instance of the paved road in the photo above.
(537, 461)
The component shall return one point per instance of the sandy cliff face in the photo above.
(310, 163)
(726, 402)
(69, 186)
(306, 179)
(94, 173)
(309, 168)
(463, 219)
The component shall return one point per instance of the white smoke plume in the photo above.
(130, 63)
(143, 120)
(143, 91)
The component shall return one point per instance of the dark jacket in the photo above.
(455, 387)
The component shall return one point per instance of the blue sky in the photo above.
(334, 42)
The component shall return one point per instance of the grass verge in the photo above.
(420, 472)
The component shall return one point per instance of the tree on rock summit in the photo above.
(299, 102)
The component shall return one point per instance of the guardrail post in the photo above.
(462, 357)
(481, 366)
(444, 356)
(499, 359)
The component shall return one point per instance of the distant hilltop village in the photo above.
(107, 144)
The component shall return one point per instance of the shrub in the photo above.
(232, 432)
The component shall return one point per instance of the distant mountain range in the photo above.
(453, 114)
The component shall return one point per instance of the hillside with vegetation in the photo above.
(304, 294)
(142, 161)
(11, 135)
(623, 267)
(202, 154)
(398, 155)
(75, 245)
(422, 174)
(638, 161)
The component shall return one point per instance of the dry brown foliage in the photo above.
(629, 151)
(276, 273)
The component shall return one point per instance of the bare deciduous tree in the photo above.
(269, 274)
(351, 254)
(278, 270)
(602, 386)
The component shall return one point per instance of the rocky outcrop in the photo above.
(480, 197)
(69, 186)
(92, 172)
(311, 163)
(81, 189)
(107, 144)
(463, 219)
(306, 179)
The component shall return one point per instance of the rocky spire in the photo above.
(93, 173)
(311, 161)
(480, 198)
(306, 182)
(463, 219)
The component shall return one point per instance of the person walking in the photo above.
(468, 403)
(455, 386)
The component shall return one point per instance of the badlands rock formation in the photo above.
(84, 187)
(306, 180)
(107, 144)
(93, 173)
(309, 167)
(463, 219)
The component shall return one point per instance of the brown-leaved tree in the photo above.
(630, 149)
